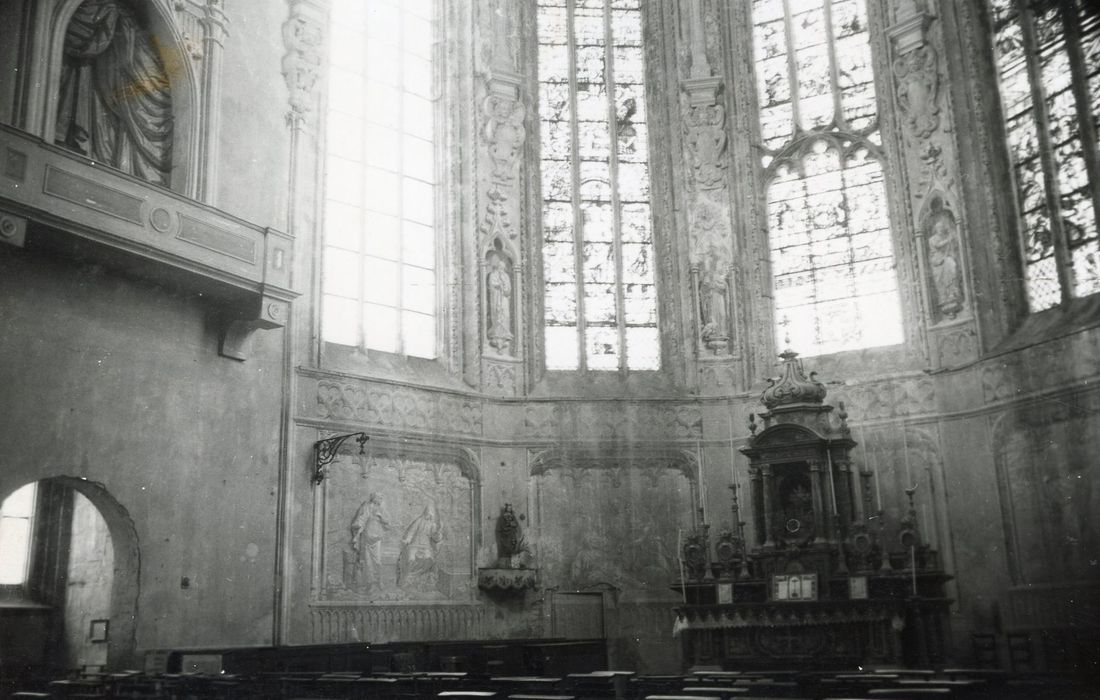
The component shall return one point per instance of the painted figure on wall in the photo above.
(943, 260)
(499, 283)
(418, 565)
(115, 105)
(367, 530)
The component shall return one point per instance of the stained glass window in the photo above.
(16, 515)
(1048, 58)
(600, 297)
(378, 281)
(835, 284)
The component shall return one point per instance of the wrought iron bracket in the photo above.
(325, 451)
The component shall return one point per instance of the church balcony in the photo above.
(55, 201)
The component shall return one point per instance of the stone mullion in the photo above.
(1046, 153)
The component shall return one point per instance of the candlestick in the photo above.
(905, 452)
(702, 485)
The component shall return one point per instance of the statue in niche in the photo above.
(943, 263)
(498, 282)
(511, 544)
(713, 295)
(115, 105)
(367, 530)
(417, 564)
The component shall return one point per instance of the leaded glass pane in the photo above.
(1031, 39)
(600, 156)
(832, 258)
(378, 268)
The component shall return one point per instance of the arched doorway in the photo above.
(69, 562)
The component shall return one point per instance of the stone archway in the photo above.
(126, 572)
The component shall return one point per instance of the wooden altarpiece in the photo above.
(825, 582)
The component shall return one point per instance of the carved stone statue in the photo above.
(115, 105)
(944, 265)
(511, 544)
(499, 285)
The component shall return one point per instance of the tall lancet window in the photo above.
(1048, 57)
(832, 256)
(378, 280)
(114, 104)
(600, 297)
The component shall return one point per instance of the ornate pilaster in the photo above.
(501, 115)
(711, 243)
(303, 37)
(204, 27)
(924, 111)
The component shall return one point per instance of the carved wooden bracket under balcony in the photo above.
(55, 200)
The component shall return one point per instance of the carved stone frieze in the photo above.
(956, 346)
(340, 623)
(1042, 367)
(499, 378)
(397, 407)
(909, 396)
(621, 421)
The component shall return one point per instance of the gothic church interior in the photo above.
(339, 322)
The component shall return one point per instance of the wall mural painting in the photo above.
(616, 527)
(397, 530)
(1046, 459)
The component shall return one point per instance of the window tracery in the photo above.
(833, 270)
(1048, 61)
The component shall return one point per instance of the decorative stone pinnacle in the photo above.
(794, 387)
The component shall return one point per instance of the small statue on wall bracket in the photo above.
(512, 551)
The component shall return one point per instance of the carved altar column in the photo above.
(851, 478)
(768, 497)
(818, 490)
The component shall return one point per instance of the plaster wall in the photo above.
(119, 382)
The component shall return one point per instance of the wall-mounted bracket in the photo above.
(325, 451)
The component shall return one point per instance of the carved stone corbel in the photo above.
(236, 340)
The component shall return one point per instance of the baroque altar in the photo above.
(826, 581)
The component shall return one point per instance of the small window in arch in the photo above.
(833, 270)
(598, 267)
(1048, 60)
(379, 267)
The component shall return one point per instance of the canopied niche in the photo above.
(128, 39)
(397, 524)
(114, 102)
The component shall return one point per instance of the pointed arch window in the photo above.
(379, 272)
(833, 270)
(1048, 61)
(600, 295)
